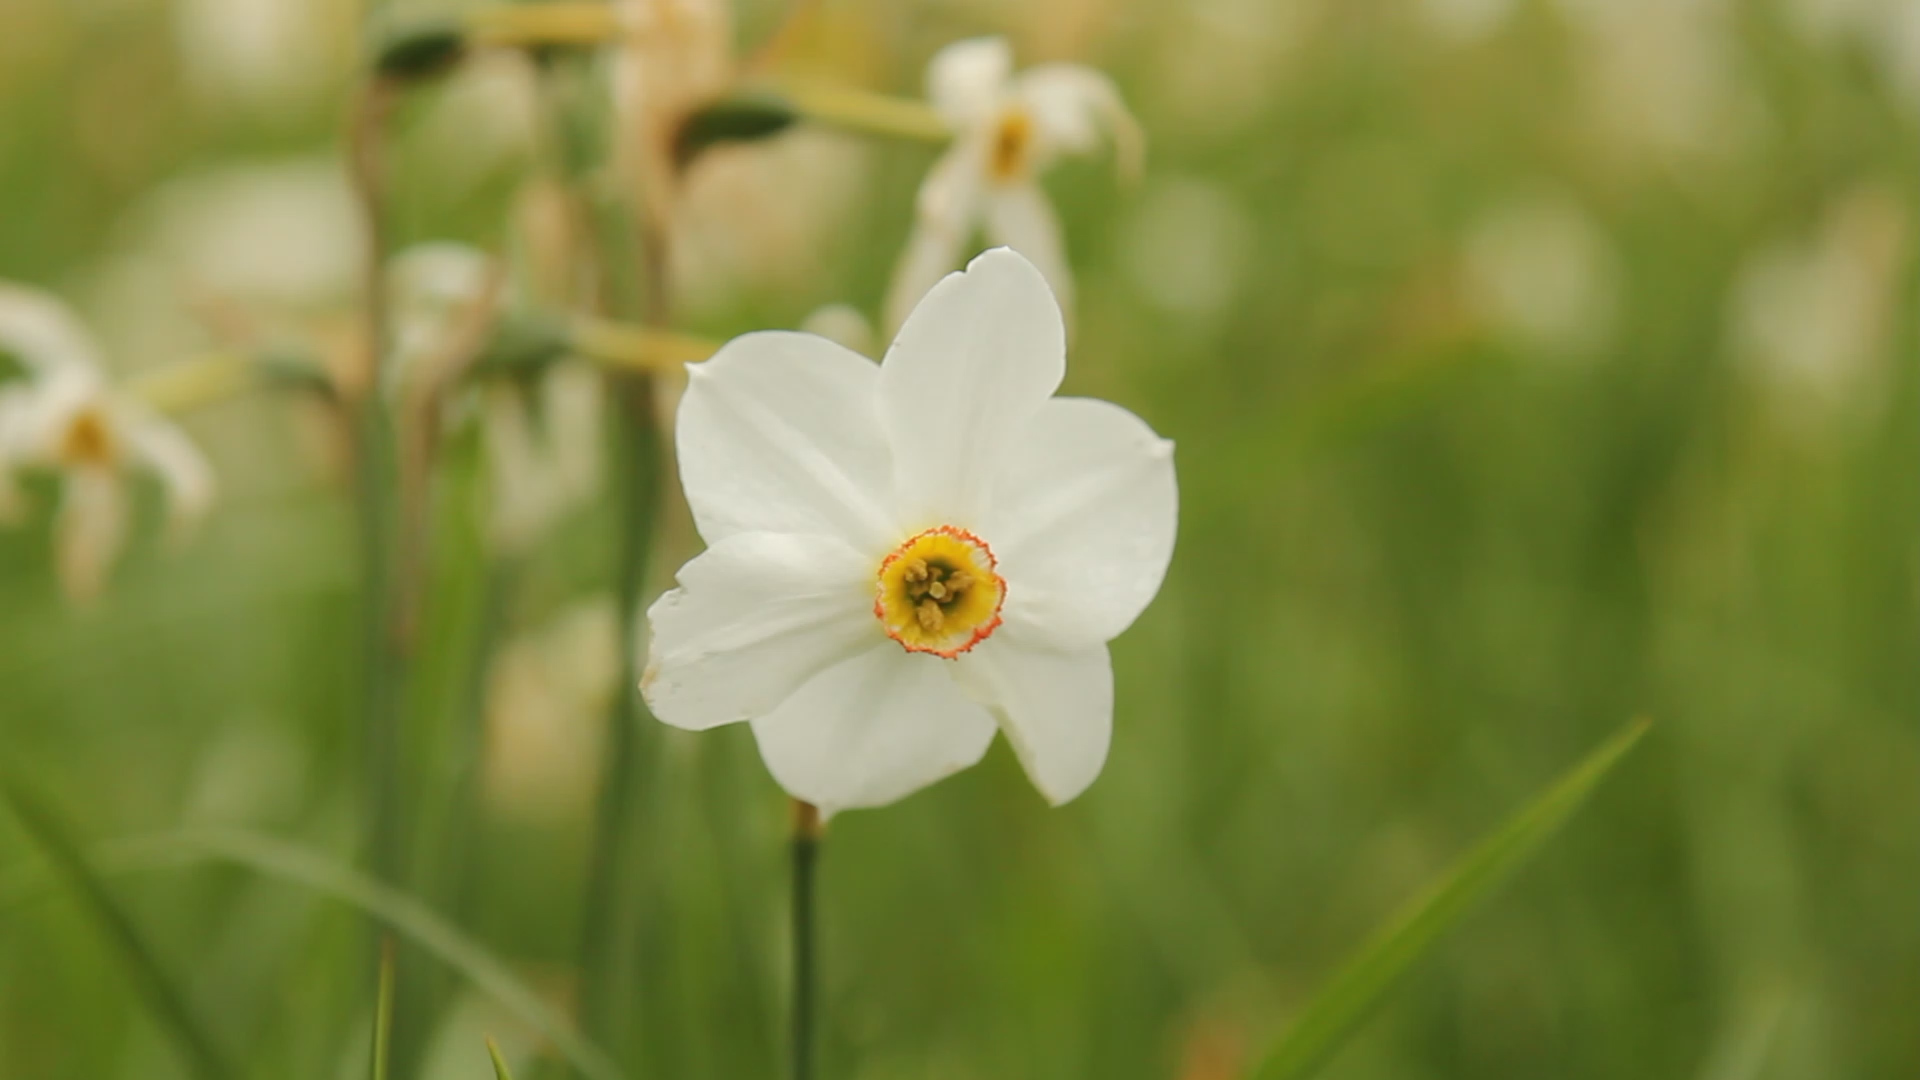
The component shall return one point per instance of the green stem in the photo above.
(375, 494)
(806, 855)
(608, 929)
(607, 932)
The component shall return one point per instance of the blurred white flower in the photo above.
(542, 441)
(263, 57)
(543, 453)
(1886, 30)
(849, 604)
(1811, 320)
(547, 693)
(1186, 245)
(67, 419)
(282, 233)
(768, 214)
(843, 325)
(1466, 20)
(1542, 274)
(1662, 77)
(1215, 62)
(435, 288)
(674, 56)
(1006, 129)
(483, 120)
(1898, 41)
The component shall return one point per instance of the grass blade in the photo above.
(383, 1013)
(411, 919)
(1359, 986)
(163, 997)
(404, 914)
(500, 1070)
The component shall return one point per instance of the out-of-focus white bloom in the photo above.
(1899, 45)
(1542, 273)
(1214, 61)
(766, 214)
(674, 56)
(1186, 246)
(435, 288)
(843, 325)
(543, 453)
(1006, 129)
(281, 233)
(263, 57)
(1466, 20)
(904, 557)
(1811, 320)
(69, 420)
(542, 442)
(1662, 76)
(484, 120)
(547, 694)
(1887, 30)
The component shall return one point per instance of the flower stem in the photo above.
(180, 387)
(864, 111)
(375, 493)
(807, 831)
(628, 356)
(555, 22)
(626, 347)
(607, 927)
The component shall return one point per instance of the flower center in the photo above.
(88, 440)
(1012, 147)
(938, 592)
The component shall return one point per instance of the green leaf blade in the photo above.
(500, 1070)
(383, 1014)
(1365, 980)
(163, 996)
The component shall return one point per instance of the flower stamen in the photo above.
(938, 593)
(88, 440)
(1012, 147)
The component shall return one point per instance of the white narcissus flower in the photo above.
(68, 419)
(904, 558)
(542, 439)
(1007, 129)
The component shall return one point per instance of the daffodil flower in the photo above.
(1007, 129)
(904, 558)
(67, 419)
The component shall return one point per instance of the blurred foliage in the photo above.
(1533, 365)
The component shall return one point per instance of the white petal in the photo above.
(1020, 217)
(42, 332)
(1056, 708)
(1083, 522)
(944, 216)
(965, 79)
(780, 432)
(873, 729)
(90, 530)
(755, 616)
(974, 362)
(181, 468)
(1073, 105)
(47, 409)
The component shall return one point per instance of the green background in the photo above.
(1426, 562)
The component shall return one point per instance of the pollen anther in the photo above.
(938, 593)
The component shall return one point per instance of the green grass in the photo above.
(1422, 567)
